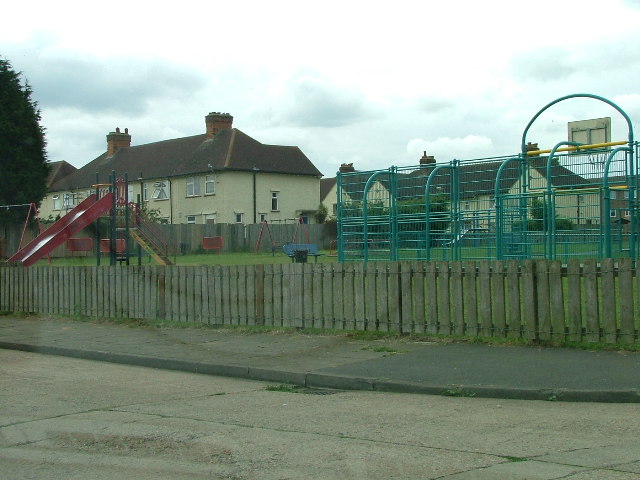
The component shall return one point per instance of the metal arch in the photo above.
(497, 196)
(550, 206)
(606, 223)
(427, 204)
(576, 95)
(365, 214)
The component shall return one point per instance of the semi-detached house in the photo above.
(221, 176)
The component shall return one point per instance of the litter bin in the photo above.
(300, 256)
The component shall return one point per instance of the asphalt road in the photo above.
(78, 419)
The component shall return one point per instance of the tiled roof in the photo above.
(59, 170)
(474, 179)
(228, 150)
(326, 184)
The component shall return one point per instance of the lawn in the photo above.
(240, 258)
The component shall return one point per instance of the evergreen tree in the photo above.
(23, 162)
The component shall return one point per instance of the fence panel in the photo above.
(535, 300)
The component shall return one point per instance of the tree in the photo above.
(23, 160)
(321, 214)
(538, 222)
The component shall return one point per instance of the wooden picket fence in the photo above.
(593, 301)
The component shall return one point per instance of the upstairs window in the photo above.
(161, 190)
(193, 186)
(209, 184)
(274, 202)
(67, 201)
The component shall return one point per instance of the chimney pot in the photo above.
(427, 160)
(217, 121)
(117, 140)
(347, 167)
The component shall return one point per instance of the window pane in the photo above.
(209, 185)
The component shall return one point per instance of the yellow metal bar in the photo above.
(571, 148)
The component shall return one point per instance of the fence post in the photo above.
(530, 300)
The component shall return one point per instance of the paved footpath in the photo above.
(336, 361)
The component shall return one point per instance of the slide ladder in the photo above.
(77, 219)
(150, 247)
(146, 234)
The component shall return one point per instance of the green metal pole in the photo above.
(340, 219)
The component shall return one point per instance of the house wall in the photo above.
(232, 195)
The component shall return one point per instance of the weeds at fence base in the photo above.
(351, 334)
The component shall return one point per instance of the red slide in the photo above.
(82, 215)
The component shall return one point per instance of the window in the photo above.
(626, 213)
(239, 217)
(209, 184)
(191, 219)
(56, 202)
(67, 201)
(263, 217)
(612, 213)
(145, 194)
(274, 202)
(334, 209)
(161, 190)
(193, 187)
(210, 218)
(304, 220)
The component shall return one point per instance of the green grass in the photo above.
(204, 259)
(285, 388)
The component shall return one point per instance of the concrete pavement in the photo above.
(342, 362)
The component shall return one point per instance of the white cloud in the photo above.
(374, 86)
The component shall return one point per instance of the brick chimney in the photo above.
(217, 121)
(532, 147)
(427, 160)
(117, 140)
(346, 168)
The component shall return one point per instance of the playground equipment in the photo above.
(282, 238)
(126, 220)
(554, 203)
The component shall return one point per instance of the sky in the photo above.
(370, 83)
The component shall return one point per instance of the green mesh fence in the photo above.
(554, 205)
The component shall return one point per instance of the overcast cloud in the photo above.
(348, 82)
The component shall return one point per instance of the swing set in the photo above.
(32, 213)
(281, 240)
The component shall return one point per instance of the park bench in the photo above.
(298, 252)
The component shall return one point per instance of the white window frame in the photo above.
(191, 219)
(209, 184)
(145, 191)
(275, 196)
(208, 217)
(612, 213)
(239, 217)
(193, 186)
(162, 190)
(67, 201)
(56, 202)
